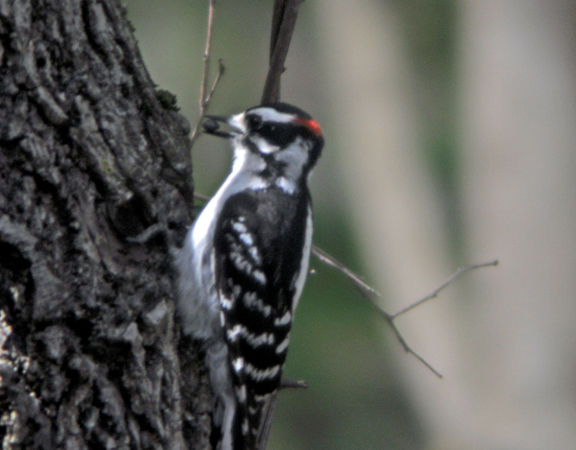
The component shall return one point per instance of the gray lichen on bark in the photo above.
(91, 352)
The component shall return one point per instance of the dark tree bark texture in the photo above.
(90, 156)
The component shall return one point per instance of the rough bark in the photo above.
(90, 156)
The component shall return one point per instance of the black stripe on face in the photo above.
(280, 134)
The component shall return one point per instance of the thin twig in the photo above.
(284, 21)
(204, 84)
(358, 281)
(268, 411)
(403, 342)
(205, 98)
(368, 293)
(391, 317)
(292, 384)
(201, 197)
(266, 427)
(221, 70)
(435, 293)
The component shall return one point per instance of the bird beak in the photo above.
(211, 126)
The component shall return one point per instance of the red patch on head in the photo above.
(311, 124)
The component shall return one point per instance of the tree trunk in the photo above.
(90, 157)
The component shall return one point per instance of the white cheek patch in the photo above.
(295, 157)
(264, 146)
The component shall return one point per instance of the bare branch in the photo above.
(205, 98)
(404, 344)
(277, 15)
(390, 320)
(221, 70)
(368, 293)
(284, 21)
(358, 281)
(391, 317)
(292, 384)
(201, 197)
(204, 85)
(435, 293)
(268, 412)
(266, 428)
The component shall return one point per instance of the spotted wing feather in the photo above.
(260, 238)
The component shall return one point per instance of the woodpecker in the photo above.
(245, 260)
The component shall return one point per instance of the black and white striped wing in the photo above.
(260, 244)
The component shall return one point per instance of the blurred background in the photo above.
(450, 139)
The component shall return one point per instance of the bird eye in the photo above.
(254, 122)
